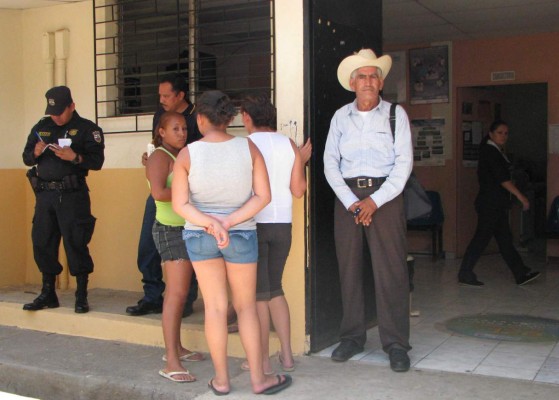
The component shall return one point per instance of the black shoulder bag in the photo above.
(416, 201)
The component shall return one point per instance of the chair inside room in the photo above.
(432, 223)
(552, 226)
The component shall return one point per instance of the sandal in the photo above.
(216, 392)
(245, 367)
(233, 328)
(171, 376)
(278, 387)
(283, 367)
(193, 356)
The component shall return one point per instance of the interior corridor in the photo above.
(438, 298)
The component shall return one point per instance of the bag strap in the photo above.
(393, 119)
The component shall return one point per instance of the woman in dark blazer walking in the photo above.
(492, 206)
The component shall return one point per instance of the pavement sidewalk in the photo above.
(58, 367)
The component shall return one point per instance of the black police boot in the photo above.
(47, 298)
(82, 305)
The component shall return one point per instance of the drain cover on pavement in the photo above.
(515, 328)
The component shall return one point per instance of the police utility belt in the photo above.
(69, 183)
(363, 182)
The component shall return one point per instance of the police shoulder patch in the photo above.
(96, 136)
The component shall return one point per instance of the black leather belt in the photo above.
(52, 185)
(363, 182)
(68, 183)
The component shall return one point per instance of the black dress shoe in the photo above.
(399, 360)
(188, 310)
(346, 350)
(473, 283)
(529, 277)
(143, 308)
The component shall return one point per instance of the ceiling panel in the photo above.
(475, 22)
(441, 6)
(408, 22)
(393, 10)
(425, 34)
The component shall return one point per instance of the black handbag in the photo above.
(416, 202)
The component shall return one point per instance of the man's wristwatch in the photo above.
(76, 160)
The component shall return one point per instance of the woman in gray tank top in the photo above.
(220, 182)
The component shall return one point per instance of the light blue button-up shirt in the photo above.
(363, 146)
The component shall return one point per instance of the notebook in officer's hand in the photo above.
(53, 145)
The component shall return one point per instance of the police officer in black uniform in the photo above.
(62, 148)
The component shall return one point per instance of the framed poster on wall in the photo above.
(394, 89)
(429, 75)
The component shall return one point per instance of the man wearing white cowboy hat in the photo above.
(367, 167)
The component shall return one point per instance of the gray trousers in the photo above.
(386, 239)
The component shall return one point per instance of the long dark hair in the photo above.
(492, 128)
(495, 124)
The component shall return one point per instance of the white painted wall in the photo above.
(11, 96)
(290, 67)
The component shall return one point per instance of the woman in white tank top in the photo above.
(220, 183)
(286, 170)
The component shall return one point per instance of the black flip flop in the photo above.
(278, 387)
(216, 392)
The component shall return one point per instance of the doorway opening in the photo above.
(524, 108)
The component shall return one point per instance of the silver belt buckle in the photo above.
(362, 183)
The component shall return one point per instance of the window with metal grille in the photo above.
(214, 44)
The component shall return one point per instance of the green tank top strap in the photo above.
(166, 151)
(164, 213)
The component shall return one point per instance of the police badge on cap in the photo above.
(58, 98)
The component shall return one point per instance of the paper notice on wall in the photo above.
(553, 139)
(428, 141)
(472, 133)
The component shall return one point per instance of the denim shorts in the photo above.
(169, 243)
(242, 249)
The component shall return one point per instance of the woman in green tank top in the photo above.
(170, 138)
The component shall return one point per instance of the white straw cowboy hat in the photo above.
(364, 58)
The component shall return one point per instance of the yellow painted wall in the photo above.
(11, 81)
(13, 242)
(117, 200)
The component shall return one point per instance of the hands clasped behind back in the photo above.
(220, 231)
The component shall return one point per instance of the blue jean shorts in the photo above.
(242, 249)
(168, 242)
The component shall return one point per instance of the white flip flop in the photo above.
(171, 376)
(187, 357)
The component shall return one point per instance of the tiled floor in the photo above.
(438, 297)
